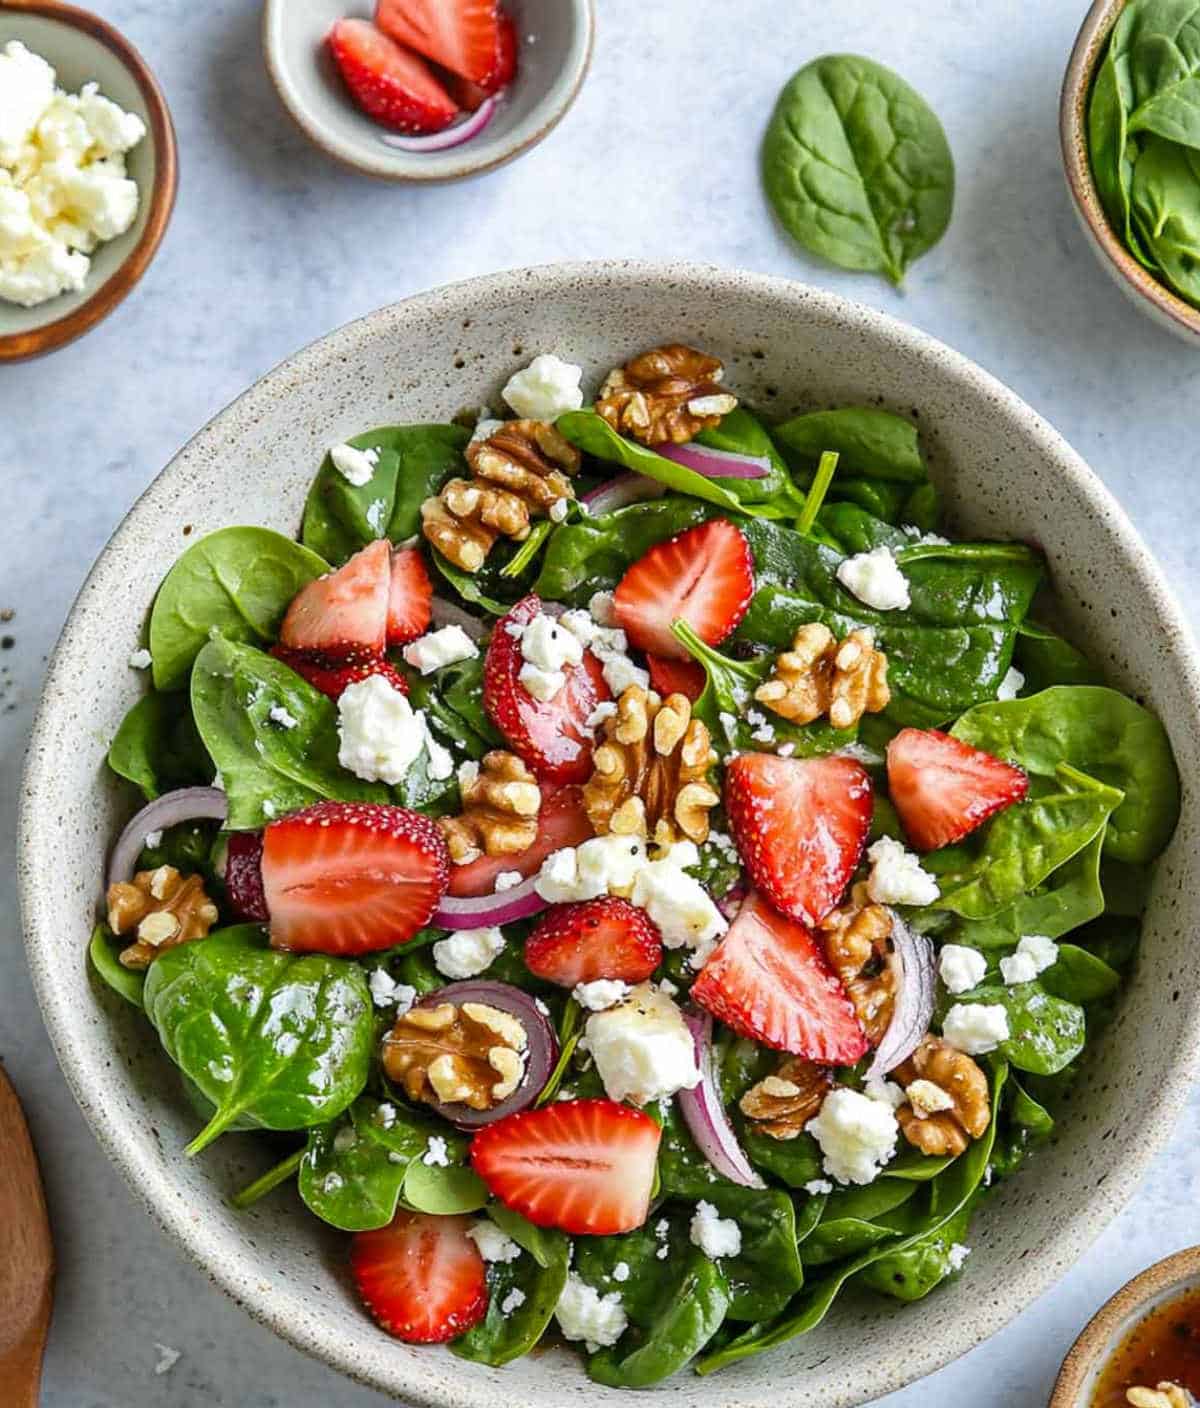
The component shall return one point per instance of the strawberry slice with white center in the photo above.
(344, 613)
(800, 825)
(704, 575)
(562, 822)
(601, 938)
(769, 980)
(391, 84)
(410, 597)
(461, 35)
(943, 789)
(585, 1166)
(551, 736)
(351, 877)
(421, 1277)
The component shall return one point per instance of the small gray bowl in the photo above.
(554, 50)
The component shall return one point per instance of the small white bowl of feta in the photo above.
(87, 174)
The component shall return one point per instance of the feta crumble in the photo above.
(387, 992)
(1011, 685)
(546, 389)
(152, 840)
(605, 865)
(678, 903)
(356, 466)
(961, 968)
(875, 579)
(600, 994)
(512, 1301)
(600, 605)
(713, 1234)
(507, 880)
(443, 647)
(957, 1255)
(494, 1245)
(468, 952)
(642, 1047)
(975, 1027)
(436, 1154)
(140, 660)
(857, 1135)
(818, 1186)
(281, 716)
(584, 1314)
(620, 1272)
(380, 733)
(897, 876)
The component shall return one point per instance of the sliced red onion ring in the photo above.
(184, 804)
(704, 1111)
(916, 981)
(541, 1049)
(622, 490)
(481, 911)
(449, 137)
(449, 613)
(731, 901)
(716, 464)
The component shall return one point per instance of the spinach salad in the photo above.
(656, 878)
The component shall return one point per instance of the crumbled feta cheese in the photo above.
(441, 760)
(27, 83)
(385, 1115)
(444, 647)
(620, 673)
(1018, 968)
(926, 1098)
(549, 645)
(152, 840)
(355, 466)
(897, 877)
(467, 952)
(677, 902)
(507, 880)
(857, 1135)
(281, 716)
(268, 807)
(512, 1301)
(875, 579)
(713, 1234)
(1011, 685)
(642, 1047)
(387, 992)
(620, 1272)
(539, 684)
(381, 735)
(584, 1314)
(140, 660)
(600, 604)
(599, 994)
(486, 426)
(493, 1244)
(818, 1186)
(468, 774)
(886, 1091)
(975, 1027)
(957, 1255)
(605, 865)
(1042, 950)
(868, 757)
(933, 540)
(602, 711)
(961, 968)
(546, 389)
(436, 1154)
(785, 750)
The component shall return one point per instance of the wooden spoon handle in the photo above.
(26, 1259)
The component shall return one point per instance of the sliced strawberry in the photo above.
(603, 938)
(331, 676)
(470, 95)
(410, 596)
(769, 979)
(704, 575)
(800, 825)
(243, 876)
(351, 877)
(562, 822)
(458, 34)
(586, 1166)
(552, 737)
(344, 613)
(421, 1277)
(392, 85)
(943, 789)
(676, 676)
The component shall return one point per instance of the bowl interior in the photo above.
(81, 58)
(787, 347)
(554, 44)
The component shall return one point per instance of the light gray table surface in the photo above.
(272, 245)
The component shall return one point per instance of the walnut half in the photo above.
(858, 942)
(944, 1125)
(820, 676)
(501, 802)
(781, 1104)
(162, 908)
(456, 1054)
(667, 395)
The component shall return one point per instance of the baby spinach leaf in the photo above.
(1024, 1122)
(917, 1167)
(265, 1183)
(1046, 659)
(1113, 938)
(1162, 41)
(1079, 976)
(923, 509)
(914, 1272)
(1109, 148)
(236, 583)
(452, 699)
(742, 433)
(190, 847)
(870, 442)
(857, 166)
(1165, 203)
(1102, 733)
(882, 498)
(766, 1273)
(683, 1170)
(1045, 1032)
(157, 746)
(467, 586)
(103, 952)
(443, 1191)
(268, 769)
(283, 1038)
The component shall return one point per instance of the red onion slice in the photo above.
(449, 613)
(620, 491)
(717, 464)
(449, 137)
(184, 804)
(541, 1048)
(481, 911)
(704, 1112)
(916, 982)
(243, 876)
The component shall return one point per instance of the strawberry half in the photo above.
(392, 85)
(562, 822)
(345, 613)
(586, 1166)
(421, 1277)
(768, 979)
(410, 597)
(704, 575)
(943, 789)
(800, 825)
(602, 938)
(458, 34)
(552, 738)
(676, 676)
(470, 95)
(332, 676)
(351, 877)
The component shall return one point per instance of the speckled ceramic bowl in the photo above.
(1005, 473)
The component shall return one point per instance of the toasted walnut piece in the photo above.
(858, 942)
(519, 473)
(650, 771)
(1165, 1395)
(819, 676)
(500, 811)
(965, 1107)
(468, 1054)
(669, 394)
(783, 1103)
(162, 908)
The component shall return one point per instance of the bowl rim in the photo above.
(1087, 50)
(35, 342)
(348, 154)
(1133, 1298)
(36, 846)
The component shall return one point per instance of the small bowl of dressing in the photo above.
(1142, 1348)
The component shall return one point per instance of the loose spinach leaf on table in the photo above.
(236, 583)
(872, 443)
(103, 952)
(857, 166)
(281, 1037)
(157, 746)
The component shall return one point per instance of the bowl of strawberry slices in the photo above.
(427, 90)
